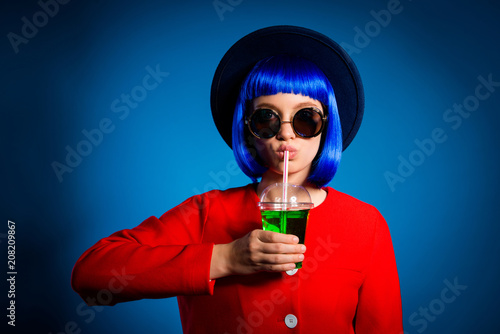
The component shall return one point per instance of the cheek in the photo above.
(317, 144)
(263, 151)
(312, 150)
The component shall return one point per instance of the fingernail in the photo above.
(295, 239)
(301, 257)
(303, 248)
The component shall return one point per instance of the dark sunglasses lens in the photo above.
(265, 123)
(307, 122)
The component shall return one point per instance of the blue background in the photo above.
(443, 217)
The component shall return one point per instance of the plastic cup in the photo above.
(288, 217)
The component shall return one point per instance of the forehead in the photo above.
(285, 102)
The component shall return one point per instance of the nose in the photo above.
(286, 131)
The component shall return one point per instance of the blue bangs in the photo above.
(288, 74)
(285, 74)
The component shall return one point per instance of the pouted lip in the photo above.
(281, 151)
(288, 148)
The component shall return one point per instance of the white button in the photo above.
(291, 321)
(292, 271)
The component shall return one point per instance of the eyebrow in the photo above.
(297, 106)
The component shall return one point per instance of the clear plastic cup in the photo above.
(285, 209)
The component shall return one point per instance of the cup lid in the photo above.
(279, 196)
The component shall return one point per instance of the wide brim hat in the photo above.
(306, 43)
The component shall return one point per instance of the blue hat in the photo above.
(309, 44)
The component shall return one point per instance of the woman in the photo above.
(283, 85)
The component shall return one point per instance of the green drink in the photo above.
(288, 222)
(285, 209)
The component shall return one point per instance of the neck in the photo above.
(318, 195)
(270, 177)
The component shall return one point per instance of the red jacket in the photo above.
(348, 283)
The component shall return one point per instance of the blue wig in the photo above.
(288, 74)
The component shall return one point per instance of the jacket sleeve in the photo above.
(159, 258)
(379, 305)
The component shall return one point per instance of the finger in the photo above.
(280, 248)
(278, 267)
(269, 236)
(283, 259)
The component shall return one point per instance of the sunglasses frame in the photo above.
(292, 117)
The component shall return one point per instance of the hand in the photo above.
(257, 251)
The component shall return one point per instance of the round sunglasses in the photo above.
(266, 123)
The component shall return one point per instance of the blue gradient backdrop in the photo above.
(64, 79)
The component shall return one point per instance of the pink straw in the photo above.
(285, 176)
